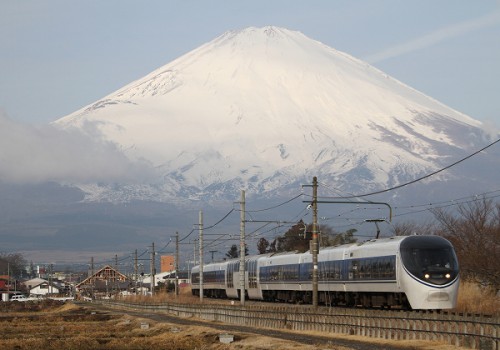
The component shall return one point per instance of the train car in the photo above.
(418, 272)
(214, 280)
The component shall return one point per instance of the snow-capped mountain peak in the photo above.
(263, 108)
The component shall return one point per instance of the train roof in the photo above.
(386, 242)
(374, 242)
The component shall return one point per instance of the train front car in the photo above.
(430, 272)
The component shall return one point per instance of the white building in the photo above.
(41, 287)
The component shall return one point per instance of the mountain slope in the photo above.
(264, 109)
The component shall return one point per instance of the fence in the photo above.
(473, 331)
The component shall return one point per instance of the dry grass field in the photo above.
(478, 300)
(68, 326)
(56, 325)
(53, 325)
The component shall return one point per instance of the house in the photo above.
(105, 282)
(44, 289)
(29, 284)
(41, 287)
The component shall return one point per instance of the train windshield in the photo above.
(430, 258)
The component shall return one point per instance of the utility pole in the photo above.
(200, 228)
(176, 264)
(50, 279)
(115, 287)
(153, 269)
(135, 270)
(242, 248)
(315, 243)
(92, 276)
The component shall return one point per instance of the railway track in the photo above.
(473, 331)
(301, 338)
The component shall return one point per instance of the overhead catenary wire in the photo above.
(467, 198)
(448, 204)
(420, 178)
(275, 206)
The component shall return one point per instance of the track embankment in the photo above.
(471, 331)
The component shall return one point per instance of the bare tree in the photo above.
(409, 228)
(13, 263)
(475, 234)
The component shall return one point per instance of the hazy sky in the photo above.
(58, 56)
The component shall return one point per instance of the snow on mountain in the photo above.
(265, 108)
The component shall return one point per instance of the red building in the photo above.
(167, 263)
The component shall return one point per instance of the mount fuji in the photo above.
(265, 109)
(259, 109)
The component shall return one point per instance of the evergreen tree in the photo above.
(232, 253)
(262, 245)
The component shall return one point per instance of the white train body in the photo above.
(420, 272)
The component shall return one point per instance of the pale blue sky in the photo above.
(58, 56)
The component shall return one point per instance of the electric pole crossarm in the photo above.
(357, 203)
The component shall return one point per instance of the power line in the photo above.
(453, 203)
(166, 245)
(218, 222)
(189, 234)
(484, 194)
(209, 227)
(423, 177)
(274, 207)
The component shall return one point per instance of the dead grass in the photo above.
(70, 326)
(184, 296)
(84, 330)
(472, 298)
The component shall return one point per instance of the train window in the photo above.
(330, 270)
(305, 271)
(372, 268)
(195, 278)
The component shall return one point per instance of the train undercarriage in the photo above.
(349, 299)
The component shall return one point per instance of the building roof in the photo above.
(107, 274)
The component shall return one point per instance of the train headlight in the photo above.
(447, 276)
(426, 276)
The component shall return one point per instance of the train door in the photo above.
(252, 284)
(232, 279)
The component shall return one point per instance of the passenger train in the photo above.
(411, 272)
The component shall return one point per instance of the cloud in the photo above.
(30, 154)
(435, 37)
